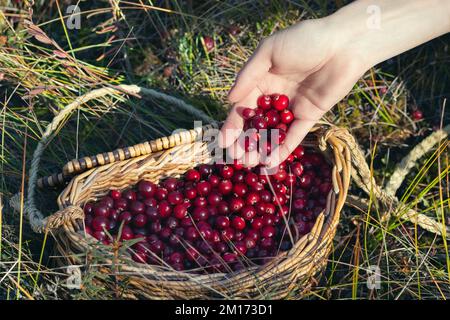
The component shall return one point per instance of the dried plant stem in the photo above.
(410, 161)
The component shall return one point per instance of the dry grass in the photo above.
(162, 47)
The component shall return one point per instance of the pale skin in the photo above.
(317, 62)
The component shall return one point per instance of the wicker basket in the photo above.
(290, 272)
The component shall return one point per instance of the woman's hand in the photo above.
(317, 62)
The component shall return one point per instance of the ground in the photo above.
(193, 50)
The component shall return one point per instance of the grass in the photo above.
(161, 46)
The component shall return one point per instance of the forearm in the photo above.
(376, 30)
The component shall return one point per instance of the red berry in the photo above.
(240, 189)
(130, 195)
(248, 213)
(264, 102)
(180, 211)
(227, 172)
(140, 220)
(161, 194)
(257, 223)
(265, 195)
(205, 232)
(270, 208)
(268, 220)
(259, 112)
(100, 223)
(101, 211)
(190, 193)
(267, 243)
(137, 207)
(238, 177)
(147, 188)
(205, 170)
(115, 194)
(241, 248)
(268, 232)
(192, 233)
(280, 175)
(238, 223)
(200, 202)
(229, 257)
(253, 234)
(157, 246)
(175, 197)
(299, 204)
(192, 175)
(259, 123)
(305, 181)
(172, 222)
(99, 235)
(280, 101)
(279, 199)
(88, 208)
(214, 198)
(225, 187)
(121, 204)
(252, 198)
(223, 208)
(164, 209)
(237, 165)
(213, 180)
(200, 213)
(209, 43)
(281, 126)
(127, 233)
(286, 116)
(192, 254)
(227, 234)
(272, 118)
(170, 184)
(222, 222)
(417, 115)
(280, 137)
(249, 243)
(299, 152)
(126, 217)
(236, 204)
(150, 202)
(296, 169)
(250, 144)
(251, 178)
(203, 188)
(152, 213)
(248, 113)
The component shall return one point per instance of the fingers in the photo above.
(250, 159)
(253, 71)
(231, 129)
(296, 133)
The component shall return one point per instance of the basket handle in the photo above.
(363, 177)
(37, 220)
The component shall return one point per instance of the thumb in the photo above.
(252, 72)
